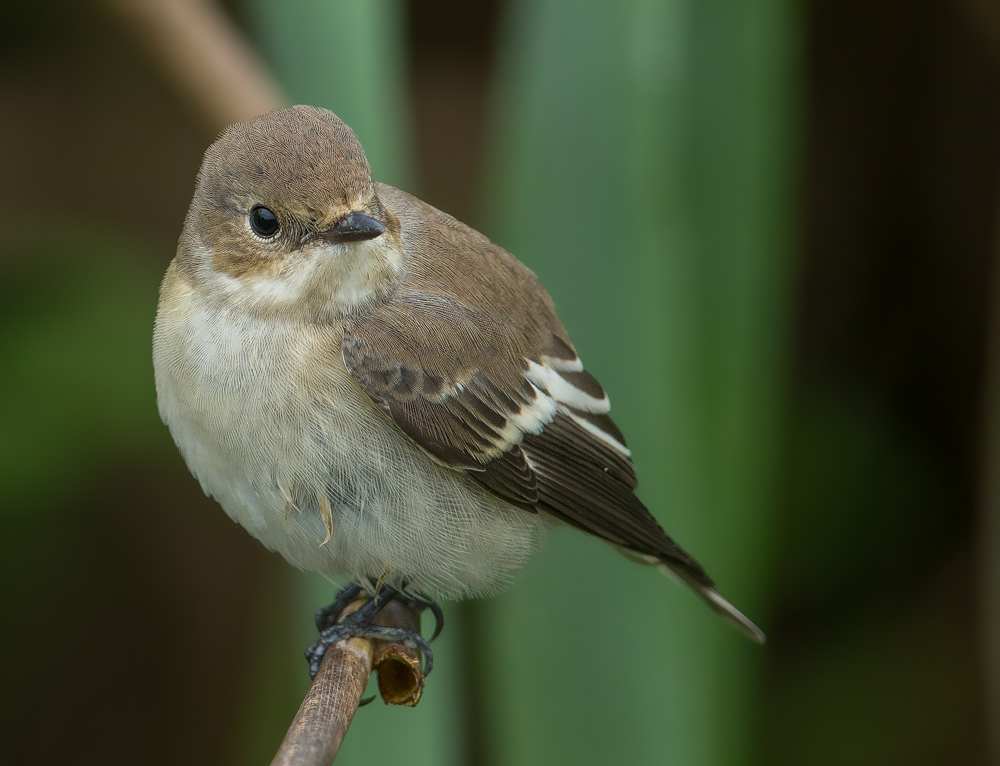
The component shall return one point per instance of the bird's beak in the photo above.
(353, 227)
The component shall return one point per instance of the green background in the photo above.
(653, 161)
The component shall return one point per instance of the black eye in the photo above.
(263, 222)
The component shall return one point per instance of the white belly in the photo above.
(274, 427)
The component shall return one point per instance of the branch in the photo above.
(321, 724)
(204, 54)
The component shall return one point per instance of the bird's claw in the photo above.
(358, 624)
(343, 631)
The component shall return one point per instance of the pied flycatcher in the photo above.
(375, 390)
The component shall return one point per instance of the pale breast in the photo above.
(273, 426)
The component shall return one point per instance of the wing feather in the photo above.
(532, 429)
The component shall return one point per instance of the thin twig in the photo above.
(328, 709)
(400, 674)
(318, 729)
(199, 48)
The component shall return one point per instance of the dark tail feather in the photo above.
(709, 593)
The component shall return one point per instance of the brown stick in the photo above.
(206, 57)
(400, 674)
(319, 727)
(321, 724)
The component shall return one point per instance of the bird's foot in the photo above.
(328, 615)
(420, 603)
(359, 623)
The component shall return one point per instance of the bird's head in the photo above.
(286, 220)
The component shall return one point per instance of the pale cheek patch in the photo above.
(259, 289)
(329, 277)
(287, 287)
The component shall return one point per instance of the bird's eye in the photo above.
(263, 222)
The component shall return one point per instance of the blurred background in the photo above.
(771, 229)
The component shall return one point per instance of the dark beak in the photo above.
(353, 227)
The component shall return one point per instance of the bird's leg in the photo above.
(354, 625)
(328, 615)
(358, 624)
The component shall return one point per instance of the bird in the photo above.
(377, 391)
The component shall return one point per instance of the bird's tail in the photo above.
(707, 590)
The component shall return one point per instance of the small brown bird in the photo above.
(372, 388)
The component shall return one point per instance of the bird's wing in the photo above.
(485, 379)
(531, 425)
